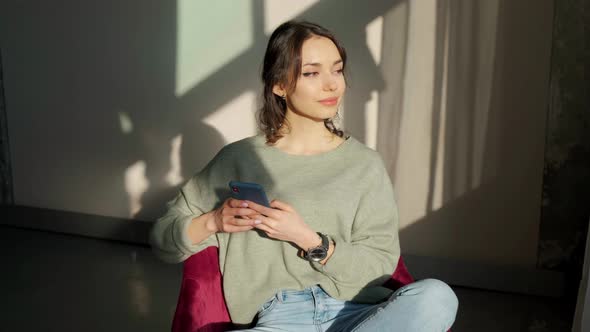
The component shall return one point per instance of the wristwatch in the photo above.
(319, 253)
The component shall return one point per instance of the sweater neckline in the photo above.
(335, 151)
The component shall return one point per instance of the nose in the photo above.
(330, 83)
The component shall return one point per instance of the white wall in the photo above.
(111, 105)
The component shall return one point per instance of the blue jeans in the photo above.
(426, 305)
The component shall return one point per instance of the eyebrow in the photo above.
(317, 64)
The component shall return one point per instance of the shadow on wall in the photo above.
(118, 136)
(480, 195)
(107, 107)
(241, 75)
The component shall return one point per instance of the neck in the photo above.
(305, 136)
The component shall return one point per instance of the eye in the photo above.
(310, 74)
(340, 71)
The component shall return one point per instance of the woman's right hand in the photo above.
(233, 216)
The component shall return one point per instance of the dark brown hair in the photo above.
(282, 65)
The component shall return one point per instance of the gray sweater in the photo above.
(344, 193)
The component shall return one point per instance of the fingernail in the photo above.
(244, 204)
(257, 222)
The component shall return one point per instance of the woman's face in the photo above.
(321, 84)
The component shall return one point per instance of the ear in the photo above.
(278, 90)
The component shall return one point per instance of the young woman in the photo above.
(317, 258)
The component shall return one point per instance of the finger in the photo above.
(238, 212)
(281, 205)
(269, 231)
(269, 222)
(263, 210)
(236, 203)
(239, 222)
(236, 229)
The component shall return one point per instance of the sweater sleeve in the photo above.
(169, 235)
(371, 255)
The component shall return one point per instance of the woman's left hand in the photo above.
(282, 222)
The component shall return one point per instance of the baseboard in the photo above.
(502, 278)
(75, 223)
(457, 273)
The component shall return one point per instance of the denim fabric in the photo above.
(426, 305)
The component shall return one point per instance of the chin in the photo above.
(328, 111)
(325, 116)
(320, 114)
(332, 114)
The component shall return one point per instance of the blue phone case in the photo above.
(248, 191)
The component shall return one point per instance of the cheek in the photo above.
(342, 83)
(305, 92)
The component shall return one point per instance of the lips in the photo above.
(329, 101)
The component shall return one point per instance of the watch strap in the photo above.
(324, 246)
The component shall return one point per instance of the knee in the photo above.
(439, 295)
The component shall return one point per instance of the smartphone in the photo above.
(248, 191)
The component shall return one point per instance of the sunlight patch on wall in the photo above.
(371, 119)
(438, 199)
(125, 123)
(413, 170)
(209, 35)
(174, 177)
(236, 119)
(279, 11)
(374, 31)
(136, 184)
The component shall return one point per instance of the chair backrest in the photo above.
(201, 305)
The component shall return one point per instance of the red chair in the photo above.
(201, 306)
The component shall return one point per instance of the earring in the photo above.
(284, 96)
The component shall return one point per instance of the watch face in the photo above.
(317, 254)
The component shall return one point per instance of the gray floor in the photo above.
(56, 282)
